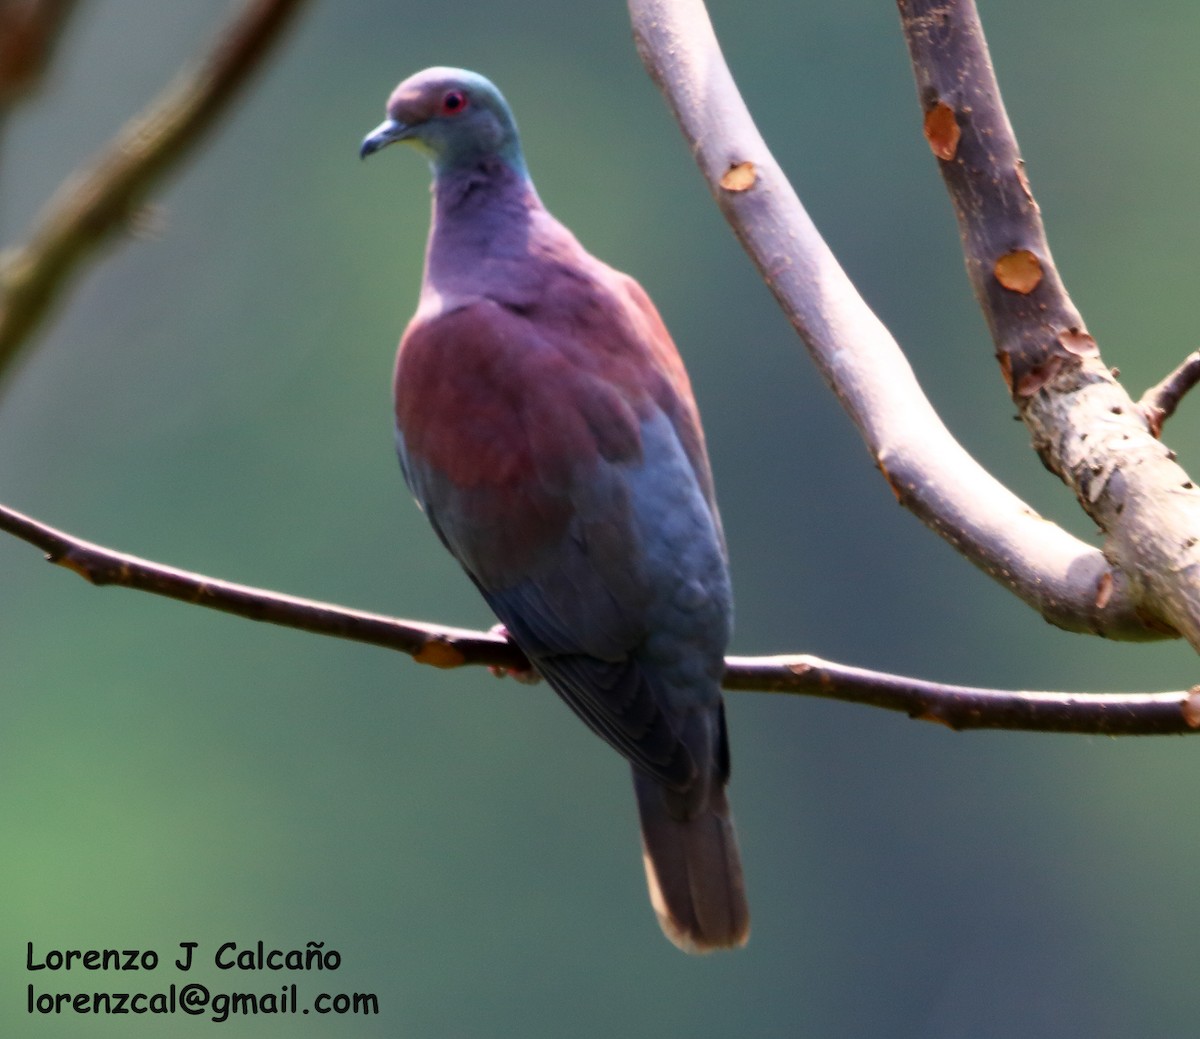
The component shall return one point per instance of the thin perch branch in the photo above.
(98, 201)
(959, 707)
(1070, 583)
(426, 643)
(966, 707)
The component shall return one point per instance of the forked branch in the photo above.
(1084, 425)
(1070, 583)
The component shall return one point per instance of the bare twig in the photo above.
(29, 30)
(1070, 583)
(1160, 401)
(29, 33)
(1084, 425)
(99, 200)
(959, 707)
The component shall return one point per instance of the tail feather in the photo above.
(693, 869)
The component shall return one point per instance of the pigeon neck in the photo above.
(488, 181)
(479, 212)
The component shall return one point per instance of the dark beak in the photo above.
(387, 132)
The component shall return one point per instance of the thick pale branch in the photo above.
(959, 707)
(1085, 427)
(1069, 582)
(99, 200)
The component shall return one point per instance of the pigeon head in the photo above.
(458, 118)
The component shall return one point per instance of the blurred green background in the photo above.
(216, 395)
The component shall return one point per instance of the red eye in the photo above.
(453, 102)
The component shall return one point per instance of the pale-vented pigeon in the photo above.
(546, 426)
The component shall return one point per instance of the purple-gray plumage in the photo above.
(546, 426)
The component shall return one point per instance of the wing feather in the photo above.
(523, 436)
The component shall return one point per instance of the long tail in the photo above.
(693, 869)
